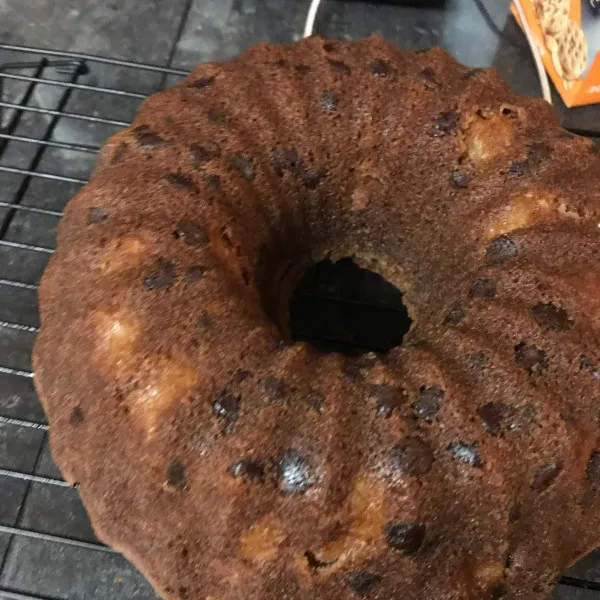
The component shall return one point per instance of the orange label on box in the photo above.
(567, 34)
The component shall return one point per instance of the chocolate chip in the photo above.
(339, 66)
(328, 101)
(192, 233)
(315, 400)
(250, 470)
(281, 63)
(405, 536)
(460, 179)
(467, 453)
(200, 154)
(312, 179)
(295, 472)
(194, 274)
(204, 322)
(181, 182)
(387, 397)
(243, 165)
(146, 138)
(498, 591)
(329, 46)
(240, 375)
(160, 275)
(482, 287)
(538, 152)
(592, 471)
(275, 389)
(380, 68)
(183, 592)
(412, 456)
(226, 407)
(445, 124)
(545, 476)
(96, 215)
(501, 250)
(494, 416)
(589, 365)
(176, 474)
(362, 582)
(454, 317)
(120, 153)
(531, 358)
(549, 316)
(203, 82)
(77, 417)
(302, 69)
(219, 117)
(286, 160)
(428, 402)
(514, 514)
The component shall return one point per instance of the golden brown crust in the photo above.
(226, 464)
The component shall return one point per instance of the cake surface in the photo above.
(227, 462)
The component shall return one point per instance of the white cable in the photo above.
(537, 57)
(310, 19)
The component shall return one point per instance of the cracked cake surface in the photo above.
(226, 461)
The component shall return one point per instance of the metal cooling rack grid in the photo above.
(53, 116)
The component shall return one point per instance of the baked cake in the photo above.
(228, 462)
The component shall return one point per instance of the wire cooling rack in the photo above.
(53, 117)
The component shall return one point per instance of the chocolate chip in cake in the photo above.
(160, 275)
(460, 179)
(192, 233)
(219, 117)
(251, 470)
(204, 322)
(531, 358)
(592, 471)
(146, 138)
(339, 66)
(311, 179)
(380, 68)
(538, 152)
(183, 592)
(494, 417)
(454, 317)
(329, 46)
(226, 407)
(549, 316)
(302, 69)
(314, 563)
(316, 400)
(467, 453)
(428, 402)
(412, 456)
(498, 591)
(240, 375)
(275, 389)
(203, 82)
(77, 417)
(286, 160)
(514, 514)
(119, 154)
(181, 181)
(387, 397)
(362, 582)
(545, 476)
(96, 215)
(212, 181)
(482, 287)
(194, 274)
(281, 63)
(243, 165)
(587, 364)
(201, 154)
(328, 101)
(176, 476)
(501, 250)
(445, 124)
(295, 472)
(405, 536)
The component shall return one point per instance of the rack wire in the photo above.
(53, 117)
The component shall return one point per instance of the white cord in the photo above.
(537, 57)
(310, 19)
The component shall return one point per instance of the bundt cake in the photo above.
(229, 462)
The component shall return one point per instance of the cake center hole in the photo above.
(340, 307)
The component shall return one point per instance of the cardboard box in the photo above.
(567, 33)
